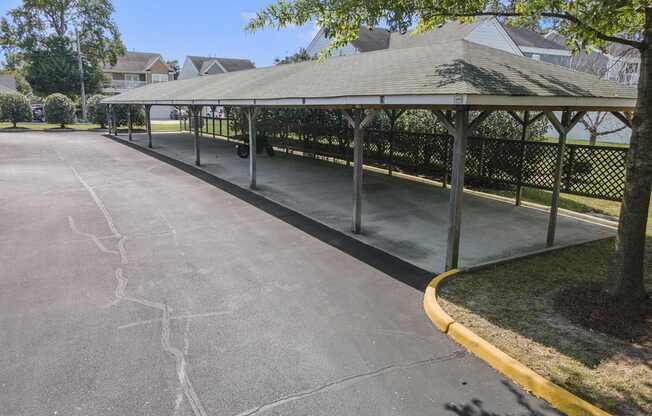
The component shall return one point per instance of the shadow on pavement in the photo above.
(396, 268)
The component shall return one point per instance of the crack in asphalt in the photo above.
(122, 281)
(96, 239)
(349, 381)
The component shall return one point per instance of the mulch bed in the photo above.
(591, 307)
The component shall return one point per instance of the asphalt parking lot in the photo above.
(130, 287)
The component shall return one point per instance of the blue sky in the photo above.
(200, 27)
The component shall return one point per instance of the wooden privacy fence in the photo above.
(593, 171)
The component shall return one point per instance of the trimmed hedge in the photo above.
(59, 109)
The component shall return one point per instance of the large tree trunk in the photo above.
(626, 281)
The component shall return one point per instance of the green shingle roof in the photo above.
(452, 73)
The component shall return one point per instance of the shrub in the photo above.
(98, 113)
(59, 109)
(15, 107)
(137, 114)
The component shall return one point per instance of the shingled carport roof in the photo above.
(443, 75)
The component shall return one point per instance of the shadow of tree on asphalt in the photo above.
(476, 407)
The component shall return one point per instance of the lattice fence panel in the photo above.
(595, 171)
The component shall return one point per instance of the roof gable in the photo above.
(134, 62)
(525, 37)
(7, 83)
(204, 63)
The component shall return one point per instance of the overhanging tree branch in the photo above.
(564, 16)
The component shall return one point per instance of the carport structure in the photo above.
(460, 82)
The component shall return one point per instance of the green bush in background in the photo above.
(98, 113)
(137, 114)
(15, 107)
(59, 109)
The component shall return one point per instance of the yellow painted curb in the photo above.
(539, 386)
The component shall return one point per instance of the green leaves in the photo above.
(585, 23)
(27, 27)
(59, 109)
(15, 107)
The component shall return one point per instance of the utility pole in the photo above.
(81, 75)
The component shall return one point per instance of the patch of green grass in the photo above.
(46, 126)
(570, 202)
(584, 142)
(512, 307)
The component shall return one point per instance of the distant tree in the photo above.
(15, 107)
(53, 67)
(300, 56)
(97, 112)
(26, 28)
(59, 109)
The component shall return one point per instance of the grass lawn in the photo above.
(513, 307)
(45, 126)
(585, 142)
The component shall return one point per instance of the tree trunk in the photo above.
(626, 282)
(593, 138)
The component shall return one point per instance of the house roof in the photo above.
(371, 39)
(448, 32)
(524, 37)
(7, 83)
(593, 62)
(445, 74)
(134, 62)
(202, 63)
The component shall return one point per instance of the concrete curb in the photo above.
(539, 386)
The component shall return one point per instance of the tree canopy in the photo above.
(27, 27)
(54, 68)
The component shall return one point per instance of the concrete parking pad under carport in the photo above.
(404, 218)
(129, 287)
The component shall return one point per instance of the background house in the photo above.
(7, 83)
(484, 31)
(195, 66)
(135, 69)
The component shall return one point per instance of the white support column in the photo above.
(567, 123)
(196, 111)
(129, 125)
(356, 121)
(148, 120)
(251, 116)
